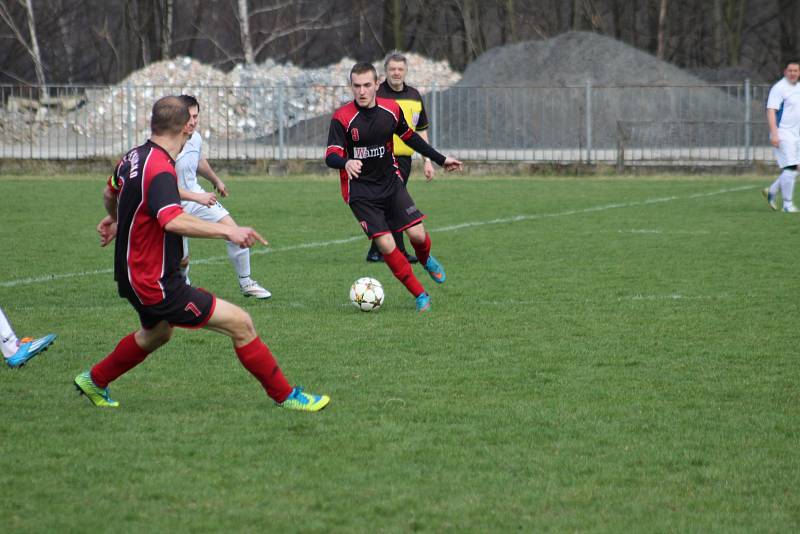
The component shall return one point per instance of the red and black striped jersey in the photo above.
(366, 134)
(146, 257)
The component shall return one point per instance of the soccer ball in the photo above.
(366, 294)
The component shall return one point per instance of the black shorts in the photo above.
(381, 216)
(187, 307)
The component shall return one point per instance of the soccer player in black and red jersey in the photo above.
(360, 146)
(145, 214)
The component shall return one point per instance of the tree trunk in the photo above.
(166, 30)
(716, 34)
(511, 22)
(35, 53)
(788, 11)
(244, 29)
(662, 29)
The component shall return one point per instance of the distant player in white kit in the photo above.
(195, 201)
(783, 117)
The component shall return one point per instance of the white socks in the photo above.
(787, 178)
(8, 339)
(240, 258)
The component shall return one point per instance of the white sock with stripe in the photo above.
(8, 339)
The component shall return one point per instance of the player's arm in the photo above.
(335, 155)
(428, 166)
(204, 169)
(190, 226)
(107, 227)
(206, 199)
(772, 121)
(412, 139)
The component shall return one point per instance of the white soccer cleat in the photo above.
(790, 208)
(253, 289)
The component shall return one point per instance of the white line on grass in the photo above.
(451, 228)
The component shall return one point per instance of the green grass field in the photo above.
(607, 355)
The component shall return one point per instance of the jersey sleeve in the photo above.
(337, 139)
(775, 99)
(422, 122)
(163, 199)
(402, 129)
(115, 180)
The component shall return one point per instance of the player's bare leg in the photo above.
(240, 258)
(256, 357)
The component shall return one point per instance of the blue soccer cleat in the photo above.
(28, 349)
(423, 302)
(435, 269)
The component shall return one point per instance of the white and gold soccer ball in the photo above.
(366, 294)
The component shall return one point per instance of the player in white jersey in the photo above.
(17, 352)
(783, 117)
(196, 201)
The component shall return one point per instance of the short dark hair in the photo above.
(791, 62)
(170, 115)
(190, 101)
(361, 68)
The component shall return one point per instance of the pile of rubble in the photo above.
(251, 101)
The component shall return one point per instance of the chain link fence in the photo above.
(620, 125)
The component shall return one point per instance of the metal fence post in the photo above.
(434, 119)
(129, 133)
(281, 154)
(748, 128)
(620, 148)
(588, 121)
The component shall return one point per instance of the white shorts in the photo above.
(788, 151)
(213, 213)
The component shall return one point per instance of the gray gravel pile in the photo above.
(248, 102)
(541, 97)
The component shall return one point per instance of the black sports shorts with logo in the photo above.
(393, 213)
(187, 307)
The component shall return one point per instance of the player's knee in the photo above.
(184, 262)
(243, 327)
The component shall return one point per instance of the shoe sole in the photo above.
(256, 296)
(20, 366)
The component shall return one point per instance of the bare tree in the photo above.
(30, 43)
(662, 28)
(244, 29)
(166, 30)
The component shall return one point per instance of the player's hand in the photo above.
(207, 199)
(353, 168)
(107, 229)
(429, 170)
(245, 237)
(774, 140)
(221, 188)
(452, 164)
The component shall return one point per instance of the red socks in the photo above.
(401, 269)
(424, 250)
(257, 358)
(127, 355)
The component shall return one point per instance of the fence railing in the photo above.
(621, 124)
